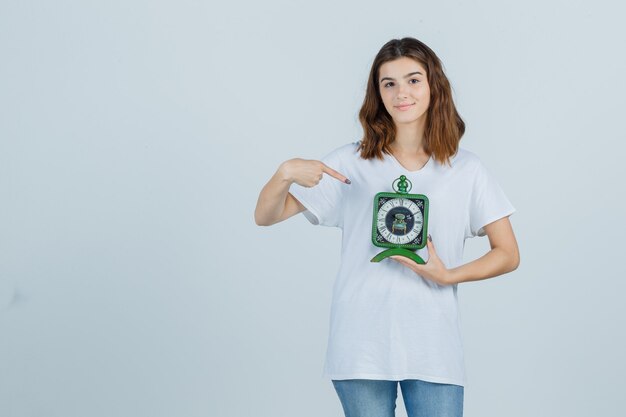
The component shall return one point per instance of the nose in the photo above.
(402, 91)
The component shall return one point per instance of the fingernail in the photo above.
(430, 238)
(348, 181)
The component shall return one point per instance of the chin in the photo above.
(409, 118)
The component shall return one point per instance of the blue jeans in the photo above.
(377, 398)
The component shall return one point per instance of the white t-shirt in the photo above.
(387, 322)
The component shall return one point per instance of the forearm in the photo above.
(495, 262)
(271, 202)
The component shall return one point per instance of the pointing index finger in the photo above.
(334, 173)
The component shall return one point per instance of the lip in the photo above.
(403, 106)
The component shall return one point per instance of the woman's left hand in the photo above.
(433, 270)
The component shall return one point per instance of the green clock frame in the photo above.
(404, 249)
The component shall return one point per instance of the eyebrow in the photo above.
(406, 76)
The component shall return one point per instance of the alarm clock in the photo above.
(400, 221)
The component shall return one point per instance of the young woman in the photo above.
(397, 321)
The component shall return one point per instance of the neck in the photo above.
(409, 138)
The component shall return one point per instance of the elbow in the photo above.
(260, 221)
(515, 260)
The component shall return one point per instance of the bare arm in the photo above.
(502, 258)
(275, 204)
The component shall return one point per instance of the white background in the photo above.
(135, 137)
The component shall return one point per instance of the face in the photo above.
(404, 89)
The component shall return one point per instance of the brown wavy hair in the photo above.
(444, 127)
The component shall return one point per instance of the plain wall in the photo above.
(136, 136)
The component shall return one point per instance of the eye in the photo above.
(412, 79)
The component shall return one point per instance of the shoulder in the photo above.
(466, 155)
(349, 149)
(464, 159)
(344, 153)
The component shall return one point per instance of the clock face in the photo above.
(400, 220)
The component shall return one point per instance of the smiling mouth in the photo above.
(406, 106)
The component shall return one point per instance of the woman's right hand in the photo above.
(307, 172)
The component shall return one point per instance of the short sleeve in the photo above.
(488, 202)
(324, 201)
